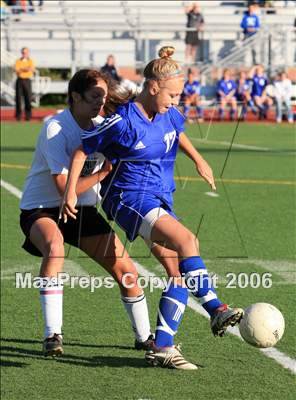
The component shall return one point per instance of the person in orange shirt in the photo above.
(24, 68)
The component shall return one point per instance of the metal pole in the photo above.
(146, 55)
(269, 54)
(73, 52)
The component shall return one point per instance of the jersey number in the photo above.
(169, 139)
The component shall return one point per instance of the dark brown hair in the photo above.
(85, 79)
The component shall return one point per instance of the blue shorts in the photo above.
(128, 209)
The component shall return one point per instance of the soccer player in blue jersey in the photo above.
(191, 96)
(259, 95)
(141, 141)
(243, 94)
(226, 89)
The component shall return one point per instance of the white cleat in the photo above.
(169, 357)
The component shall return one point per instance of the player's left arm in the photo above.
(202, 167)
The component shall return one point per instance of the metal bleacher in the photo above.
(122, 27)
(80, 33)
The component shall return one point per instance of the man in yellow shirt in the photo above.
(24, 68)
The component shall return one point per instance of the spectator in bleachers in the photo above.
(243, 93)
(259, 95)
(110, 68)
(191, 96)
(31, 5)
(250, 24)
(282, 96)
(24, 69)
(3, 11)
(16, 6)
(226, 90)
(194, 20)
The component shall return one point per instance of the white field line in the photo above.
(70, 267)
(234, 145)
(285, 269)
(12, 189)
(212, 194)
(281, 358)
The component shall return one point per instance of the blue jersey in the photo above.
(140, 148)
(243, 87)
(250, 21)
(191, 88)
(143, 152)
(259, 84)
(225, 86)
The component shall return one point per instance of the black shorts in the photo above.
(88, 223)
(192, 38)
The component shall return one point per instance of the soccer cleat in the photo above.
(169, 357)
(147, 345)
(53, 346)
(224, 317)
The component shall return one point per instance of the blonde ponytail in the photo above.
(164, 67)
(166, 52)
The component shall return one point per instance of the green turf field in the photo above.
(249, 228)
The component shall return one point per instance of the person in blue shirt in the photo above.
(226, 89)
(250, 22)
(191, 96)
(243, 94)
(250, 25)
(141, 140)
(259, 95)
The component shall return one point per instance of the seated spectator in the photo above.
(259, 95)
(282, 96)
(226, 89)
(110, 69)
(243, 93)
(191, 96)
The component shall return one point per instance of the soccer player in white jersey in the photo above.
(43, 191)
(140, 140)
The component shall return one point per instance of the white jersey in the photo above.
(58, 139)
(283, 89)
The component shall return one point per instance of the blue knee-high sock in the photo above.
(232, 113)
(198, 280)
(252, 106)
(199, 112)
(171, 309)
(244, 110)
(221, 113)
(186, 111)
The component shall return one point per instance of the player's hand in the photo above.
(68, 208)
(105, 170)
(205, 171)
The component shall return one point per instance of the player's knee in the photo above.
(189, 244)
(128, 279)
(54, 248)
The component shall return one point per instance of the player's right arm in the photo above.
(70, 198)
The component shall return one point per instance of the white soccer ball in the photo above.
(262, 325)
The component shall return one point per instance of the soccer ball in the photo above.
(262, 325)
